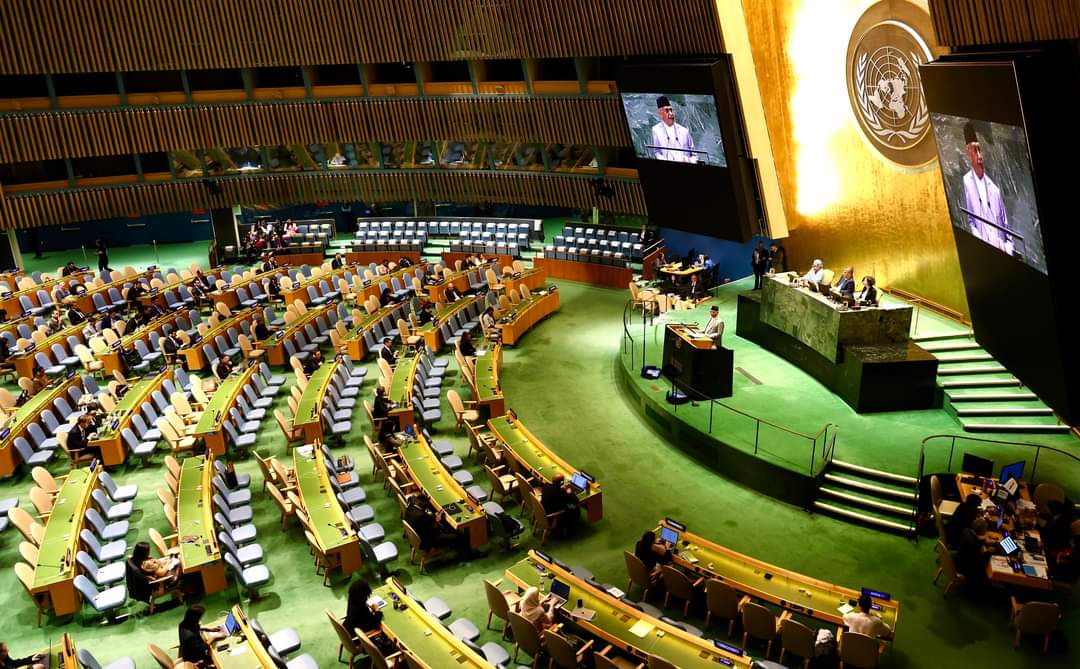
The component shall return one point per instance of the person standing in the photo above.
(714, 328)
(777, 258)
(759, 261)
(102, 256)
(670, 140)
(986, 216)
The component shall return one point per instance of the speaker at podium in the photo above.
(696, 367)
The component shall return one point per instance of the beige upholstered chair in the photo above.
(1039, 618)
(797, 639)
(947, 566)
(722, 601)
(759, 623)
(678, 585)
(859, 651)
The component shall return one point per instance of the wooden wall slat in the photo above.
(479, 187)
(57, 36)
(987, 22)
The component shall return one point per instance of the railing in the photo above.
(1009, 449)
(821, 445)
(921, 302)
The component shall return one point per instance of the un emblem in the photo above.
(884, 54)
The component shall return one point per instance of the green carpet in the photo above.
(561, 381)
(177, 255)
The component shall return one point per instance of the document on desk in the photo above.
(845, 608)
(641, 628)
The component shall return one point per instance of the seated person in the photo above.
(338, 262)
(557, 496)
(75, 315)
(846, 284)
(193, 647)
(424, 316)
(816, 273)
(359, 615)
(387, 351)
(466, 345)
(1065, 565)
(962, 518)
(38, 661)
(388, 440)
(864, 622)
(540, 614)
(1057, 530)
(452, 294)
(223, 368)
(170, 347)
(54, 324)
(868, 295)
(142, 569)
(487, 323)
(404, 262)
(38, 380)
(382, 407)
(714, 328)
(652, 552)
(260, 330)
(972, 554)
(69, 269)
(695, 290)
(202, 281)
(430, 527)
(79, 436)
(386, 298)
(313, 361)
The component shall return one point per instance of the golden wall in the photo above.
(844, 203)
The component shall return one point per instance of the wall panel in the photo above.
(982, 22)
(375, 186)
(57, 36)
(48, 135)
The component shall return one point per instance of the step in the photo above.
(951, 346)
(979, 369)
(965, 357)
(941, 336)
(875, 473)
(866, 486)
(1019, 396)
(981, 383)
(1044, 428)
(884, 507)
(862, 517)
(1004, 411)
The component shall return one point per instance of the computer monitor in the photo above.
(1013, 471)
(579, 482)
(232, 626)
(669, 535)
(973, 464)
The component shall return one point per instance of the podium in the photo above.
(692, 364)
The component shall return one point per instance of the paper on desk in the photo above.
(615, 592)
(239, 649)
(845, 608)
(641, 628)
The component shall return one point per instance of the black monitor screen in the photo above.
(676, 127)
(973, 464)
(987, 174)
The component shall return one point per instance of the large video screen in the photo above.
(987, 173)
(676, 127)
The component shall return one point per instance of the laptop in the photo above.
(560, 592)
(579, 482)
(232, 625)
(1009, 546)
(669, 536)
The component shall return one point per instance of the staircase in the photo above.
(868, 496)
(981, 393)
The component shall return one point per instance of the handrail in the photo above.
(1039, 448)
(828, 447)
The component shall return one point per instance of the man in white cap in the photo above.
(671, 141)
(986, 216)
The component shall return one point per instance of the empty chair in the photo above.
(1038, 618)
(250, 578)
(112, 510)
(797, 639)
(105, 530)
(29, 456)
(103, 601)
(117, 493)
(759, 623)
(110, 552)
(103, 575)
(722, 601)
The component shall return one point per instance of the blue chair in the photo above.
(140, 449)
(89, 662)
(117, 493)
(103, 601)
(251, 578)
(240, 534)
(42, 442)
(314, 298)
(241, 441)
(99, 303)
(103, 575)
(143, 431)
(50, 369)
(271, 379)
(115, 297)
(104, 530)
(111, 552)
(112, 510)
(29, 456)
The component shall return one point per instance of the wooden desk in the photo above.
(485, 386)
(422, 635)
(85, 302)
(526, 314)
(199, 552)
(242, 650)
(228, 297)
(430, 331)
(111, 358)
(296, 259)
(588, 272)
(333, 531)
(10, 303)
(538, 460)
(401, 385)
(109, 439)
(274, 345)
(614, 619)
(1019, 527)
(299, 290)
(24, 361)
(676, 270)
(309, 409)
(209, 427)
(533, 279)
(19, 421)
(438, 484)
(787, 589)
(56, 567)
(436, 291)
(378, 257)
(194, 355)
(354, 339)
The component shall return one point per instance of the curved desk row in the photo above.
(354, 342)
(109, 438)
(430, 476)
(199, 550)
(274, 345)
(526, 314)
(54, 576)
(334, 533)
(485, 381)
(19, 421)
(194, 355)
(210, 426)
(308, 417)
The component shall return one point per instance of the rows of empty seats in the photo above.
(599, 255)
(630, 248)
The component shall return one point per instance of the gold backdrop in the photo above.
(843, 202)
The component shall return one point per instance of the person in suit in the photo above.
(557, 496)
(223, 368)
(69, 269)
(388, 440)
(338, 262)
(452, 294)
(868, 295)
(387, 351)
(845, 285)
(268, 263)
(38, 661)
(79, 436)
(466, 345)
(386, 298)
(260, 330)
(203, 281)
(759, 262)
(695, 290)
(313, 362)
(429, 525)
(424, 316)
(714, 328)
(170, 347)
(382, 407)
(75, 315)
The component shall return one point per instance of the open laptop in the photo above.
(1009, 546)
(232, 625)
(669, 536)
(579, 482)
(560, 592)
